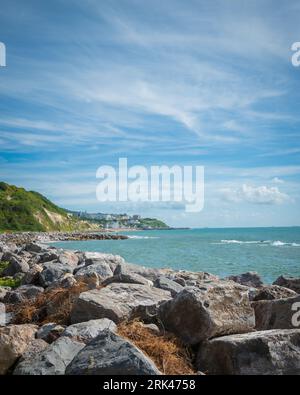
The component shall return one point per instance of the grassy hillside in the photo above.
(22, 210)
(152, 223)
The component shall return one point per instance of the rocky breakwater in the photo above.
(23, 238)
(61, 309)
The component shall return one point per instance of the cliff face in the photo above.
(22, 210)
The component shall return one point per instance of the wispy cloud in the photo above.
(160, 82)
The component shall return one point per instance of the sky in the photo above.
(198, 83)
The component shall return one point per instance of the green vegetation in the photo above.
(22, 210)
(3, 266)
(10, 282)
(152, 223)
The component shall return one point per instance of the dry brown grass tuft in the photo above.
(167, 352)
(54, 305)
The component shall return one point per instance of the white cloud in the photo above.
(277, 180)
(256, 195)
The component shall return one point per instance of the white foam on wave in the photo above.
(272, 243)
(240, 242)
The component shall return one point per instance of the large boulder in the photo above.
(68, 258)
(14, 339)
(16, 265)
(165, 283)
(146, 272)
(116, 301)
(276, 314)
(292, 283)
(197, 314)
(53, 360)
(102, 269)
(129, 278)
(34, 247)
(270, 292)
(92, 258)
(86, 331)
(192, 279)
(34, 347)
(23, 293)
(110, 354)
(32, 276)
(250, 279)
(275, 352)
(47, 256)
(52, 272)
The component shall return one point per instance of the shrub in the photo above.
(10, 282)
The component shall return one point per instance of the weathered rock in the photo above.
(217, 309)
(32, 276)
(271, 292)
(14, 340)
(92, 280)
(148, 273)
(96, 258)
(129, 278)
(146, 313)
(168, 285)
(33, 247)
(102, 269)
(86, 331)
(116, 301)
(111, 355)
(68, 258)
(15, 266)
(275, 352)
(250, 279)
(23, 293)
(193, 279)
(66, 281)
(50, 332)
(53, 360)
(34, 347)
(47, 256)
(275, 314)
(292, 283)
(52, 272)
(3, 292)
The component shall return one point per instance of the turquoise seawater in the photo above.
(268, 251)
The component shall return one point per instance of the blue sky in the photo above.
(163, 82)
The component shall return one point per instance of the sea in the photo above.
(229, 251)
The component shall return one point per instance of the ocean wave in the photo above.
(279, 243)
(240, 242)
(272, 243)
